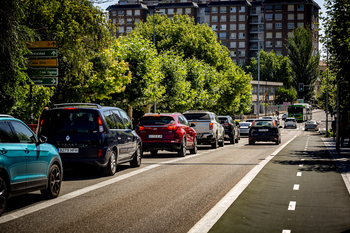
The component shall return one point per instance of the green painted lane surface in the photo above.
(304, 174)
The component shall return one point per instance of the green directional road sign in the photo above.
(45, 81)
(44, 72)
(41, 53)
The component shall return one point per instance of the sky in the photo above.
(319, 2)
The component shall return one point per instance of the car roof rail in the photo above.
(199, 111)
(6, 115)
(75, 105)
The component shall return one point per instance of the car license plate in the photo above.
(155, 136)
(263, 130)
(68, 150)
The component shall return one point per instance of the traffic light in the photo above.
(301, 86)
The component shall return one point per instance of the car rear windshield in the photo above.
(69, 121)
(197, 116)
(287, 120)
(223, 119)
(244, 124)
(157, 120)
(263, 123)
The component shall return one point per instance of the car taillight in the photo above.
(41, 122)
(141, 127)
(211, 125)
(172, 127)
(101, 129)
(100, 152)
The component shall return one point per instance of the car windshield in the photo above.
(197, 116)
(223, 119)
(244, 124)
(69, 121)
(311, 122)
(157, 120)
(263, 123)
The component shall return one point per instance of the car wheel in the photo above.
(136, 160)
(222, 143)
(232, 140)
(3, 195)
(277, 142)
(236, 140)
(305, 129)
(54, 183)
(182, 151)
(194, 149)
(112, 165)
(215, 144)
(154, 152)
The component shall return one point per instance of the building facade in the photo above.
(243, 26)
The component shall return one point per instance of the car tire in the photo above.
(232, 140)
(236, 140)
(3, 195)
(215, 145)
(154, 152)
(54, 182)
(222, 143)
(194, 149)
(182, 151)
(305, 129)
(136, 160)
(112, 165)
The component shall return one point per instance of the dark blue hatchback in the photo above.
(27, 162)
(91, 134)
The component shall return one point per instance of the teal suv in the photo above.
(27, 162)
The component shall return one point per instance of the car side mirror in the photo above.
(42, 139)
(192, 125)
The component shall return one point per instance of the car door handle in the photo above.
(26, 150)
(3, 150)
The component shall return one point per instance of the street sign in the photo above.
(45, 80)
(44, 71)
(41, 44)
(43, 62)
(40, 53)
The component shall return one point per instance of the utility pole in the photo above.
(258, 83)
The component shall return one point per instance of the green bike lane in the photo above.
(299, 190)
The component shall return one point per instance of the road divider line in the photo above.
(299, 173)
(208, 220)
(296, 187)
(292, 205)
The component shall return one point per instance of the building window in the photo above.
(278, 16)
(241, 53)
(223, 27)
(128, 21)
(179, 11)
(137, 20)
(120, 12)
(121, 29)
(278, 26)
(300, 16)
(241, 9)
(214, 10)
(241, 45)
(278, 7)
(114, 21)
(290, 25)
(129, 13)
(214, 18)
(241, 18)
(268, 16)
(290, 35)
(290, 7)
(187, 10)
(233, 9)
(241, 26)
(278, 52)
(290, 16)
(137, 12)
(170, 11)
(121, 21)
(269, 26)
(233, 27)
(223, 18)
(300, 25)
(278, 35)
(214, 27)
(234, 60)
(222, 35)
(268, 44)
(300, 7)
(268, 34)
(279, 43)
(223, 44)
(233, 53)
(114, 13)
(232, 44)
(223, 9)
(233, 18)
(128, 29)
(233, 35)
(268, 8)
(241, 35)
(162, 11)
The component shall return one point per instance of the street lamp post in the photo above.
(154, 42)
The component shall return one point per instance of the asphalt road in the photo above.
(166, 194)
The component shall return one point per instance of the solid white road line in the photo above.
(208, 220)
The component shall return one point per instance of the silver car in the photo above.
(290, 122)
(311, 125)
(244, 127)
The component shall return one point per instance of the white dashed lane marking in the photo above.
(296, 187)
(292, 205)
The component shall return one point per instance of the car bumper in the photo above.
(289, 125)
(264, 138)
(205, 138)
(161, 146)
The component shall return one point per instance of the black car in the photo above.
(231, 129)
(264, 130)
(91, 134)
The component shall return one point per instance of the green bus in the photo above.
(300, 111)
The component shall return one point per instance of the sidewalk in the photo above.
(342, 159)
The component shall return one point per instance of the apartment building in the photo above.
(243, 26)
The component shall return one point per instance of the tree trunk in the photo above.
(130, 112)
(147, 108)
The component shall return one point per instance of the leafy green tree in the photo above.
(332, 92)
(303, 61)
(286, 95)
(337, 43)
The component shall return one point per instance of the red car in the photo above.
(167, 131)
